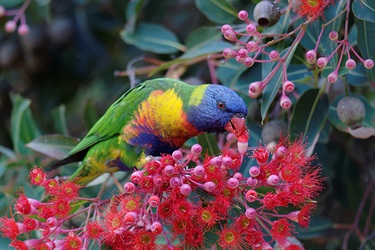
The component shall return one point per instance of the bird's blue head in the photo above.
(219, 109)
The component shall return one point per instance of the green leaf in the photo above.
(131, 12)
(152, 37)
(59, 120)
(318, 226)
(55, 146)
(23, 128)
(197, 51)
(208, 143)
(218, 11)
(309, 115)
(274, 84)
(366, 44)
(202, 35)
(364, 10)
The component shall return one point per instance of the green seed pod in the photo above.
(266, 14)
(351, 111)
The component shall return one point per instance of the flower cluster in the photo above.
(253, 46)
(46, 217)
(18, 15)
(181, 200)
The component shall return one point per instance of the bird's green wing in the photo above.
(111, 123)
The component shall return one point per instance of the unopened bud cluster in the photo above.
(18, 16)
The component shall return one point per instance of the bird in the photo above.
(155, 117)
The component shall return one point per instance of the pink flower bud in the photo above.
(254, 171)
(51, 221)
(248, 62)
(242, 15)
(196, 149)
(251, 182)
(332, 77)
(10, 26)
(251, 195)
(233, 183)
(350, 64)
(293, 216)
(231, 138)
(156, 228)
(157, 180)
(198, 170)
(209, 186)
(227, 161)
(169, 170)
(281, 152)
(239, 59)
(23, 29)
(185, 189)
(322, 62)
(274, 55)
(230, 35)
(216, 161)
(154, 201)
(130, 217)
(288, 86)
(255, 88)
(273, 180)
(311, 56)
(2, 11)
(177, 155)
(250, 213)
(229, 53)
(242, 53)
(129, 187)
(238, 176)
(368, 63)
(333, 35)
(251, 29)
(175, 182)
(135, 177)
(252, 46)
(225, 27)
(285, 102)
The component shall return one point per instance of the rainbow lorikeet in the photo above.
(153, 118)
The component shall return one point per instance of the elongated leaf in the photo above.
(132, 10)
(366, 44)
(218, 11)
(208, 143)
(197, 51)
(152, 37)
(59, 120)
(274, 84)
(55, 146)
(23, 128)
(364, 10)
(202, 35)
(309, 115)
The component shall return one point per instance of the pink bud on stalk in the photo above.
(369, 64)
(332, 77)
(288, 86)
(242, 15)
(350, 64)
(311, 56)
(322, 62)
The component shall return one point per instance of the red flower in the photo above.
(165, 209)
(144, 240)
(68, 190)
(37, 176)
(72, 242)
(9, 228)
(194, 237)
(280, 231)
(304, 215)
(230, 238)
(18, 245)
(61, 208)
(130, 203)
(311, 9)
(94, 230)
(23, 205)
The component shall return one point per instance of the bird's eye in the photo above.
(220, 105)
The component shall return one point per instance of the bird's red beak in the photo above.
(237, 126)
